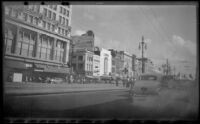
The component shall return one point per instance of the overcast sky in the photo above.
(169, 30)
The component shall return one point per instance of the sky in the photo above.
(170, 31)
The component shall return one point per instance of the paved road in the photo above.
(99, 104)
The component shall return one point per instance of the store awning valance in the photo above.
(15, 64)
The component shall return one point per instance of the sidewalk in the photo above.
(44, 88)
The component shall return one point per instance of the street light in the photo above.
(144, 46)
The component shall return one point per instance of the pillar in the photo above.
(16, 40)
(54, 48)
(37, 45)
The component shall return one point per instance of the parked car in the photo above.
(147, 85)
(57, 80)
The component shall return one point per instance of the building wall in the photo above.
(35, 34)
(105, 62)
(96, 65)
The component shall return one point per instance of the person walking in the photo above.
(132, 82)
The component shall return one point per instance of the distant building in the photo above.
(82, 62)
(127, 64)
(96, 65)
(105, 62)
(36, 41)
(85, 41)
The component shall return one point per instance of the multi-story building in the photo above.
(127, 64)
(96, 65)
(82, 62)
(36, 40)
(105, 62)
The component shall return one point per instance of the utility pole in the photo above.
(144, 45)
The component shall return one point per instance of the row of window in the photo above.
(63, 21)
(26, 46)
(34, 20)
(64, 11)
(54, 7)
(89, 59)
(89, 67)
(49, 14)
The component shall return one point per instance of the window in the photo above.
(80, 66)
(45, 12)
(59, 50)
(60, 19)
(66, 22)
(80, 58)
(8, 10)
(35, 21)
(59, 29)
(64, 12)
(26, 43)
(49, 14)
(63, 21)
(14, 13)
(105, 65)
(49, 26)
(55, 7)
(63, 31)
(44, 24)
(25, 16)
(53, 28)
(67, 13)
(60, 9)
(66, 32)
(45, 47)
(37, 8)
(31, 19)
(54, 16)
(9, 37)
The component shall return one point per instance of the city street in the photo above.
(170, 104)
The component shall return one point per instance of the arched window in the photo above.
(105, 65)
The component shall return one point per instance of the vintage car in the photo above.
(147, 85)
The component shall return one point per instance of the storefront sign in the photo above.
(28, 65)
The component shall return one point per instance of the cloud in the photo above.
(177, 40)
(79, 32)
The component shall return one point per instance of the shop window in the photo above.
(59, 50)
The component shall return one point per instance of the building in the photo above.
(82, 62)
(105, 62)
(36, 41)
(134, 65)
(85, 41)
(127, 64)
(96, 65)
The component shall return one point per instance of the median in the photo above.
(45, 88)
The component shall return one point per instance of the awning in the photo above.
(106, 77)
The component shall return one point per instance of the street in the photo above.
(103, 104)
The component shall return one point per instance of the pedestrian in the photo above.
(132, 83)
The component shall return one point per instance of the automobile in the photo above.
(147, 85)
(57, 80)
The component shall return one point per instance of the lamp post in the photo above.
(144, 46)
(72, 52)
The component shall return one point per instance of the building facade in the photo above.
(36, 41)
(96, 65)
(105, 62)
(82, 62)
(127, 64)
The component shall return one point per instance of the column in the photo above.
(37, 45)
(16, 39)
(54, 48)
(66, 52)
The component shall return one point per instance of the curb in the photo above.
(61, 92)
